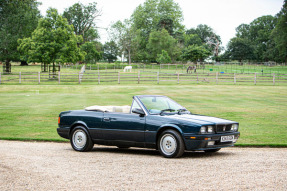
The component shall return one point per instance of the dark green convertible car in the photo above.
(152, 121)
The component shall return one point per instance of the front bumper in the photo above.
(202, 142)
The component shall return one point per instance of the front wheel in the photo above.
(80, 139)
(170, 144)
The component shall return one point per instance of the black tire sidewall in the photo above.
(88, 142)
(179, 144)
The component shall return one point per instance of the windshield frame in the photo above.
(138, 97)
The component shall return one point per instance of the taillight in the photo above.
(59, 120)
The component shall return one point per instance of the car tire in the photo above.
(81, 140)
(211, 150)
(170, 144)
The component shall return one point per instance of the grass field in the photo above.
(30, 112)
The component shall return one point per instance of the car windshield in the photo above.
(160, 104)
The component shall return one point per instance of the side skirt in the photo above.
(124, 143)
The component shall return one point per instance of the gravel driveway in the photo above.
(55, 166)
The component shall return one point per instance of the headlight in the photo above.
(203, 130)
(234, 127)
(210, 129)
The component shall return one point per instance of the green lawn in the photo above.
(31, 111)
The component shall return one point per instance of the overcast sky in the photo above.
(221, 15)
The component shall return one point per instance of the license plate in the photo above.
(227, 138)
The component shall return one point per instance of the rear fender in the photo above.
(78, 123)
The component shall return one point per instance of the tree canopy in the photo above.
(18, 19)
(53, 41)
(83, 18)
(279, 34)
(153, 33)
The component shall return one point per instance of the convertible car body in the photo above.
(152, 121)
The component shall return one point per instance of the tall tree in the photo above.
(210, 40)
(92, 50)
(279, 34)
(155, 15)
(18, 19)
(125, 36)
(258, 33)
(161, 40)
(110, 51)
(83, 18)
(239, 49)
(53, 41)
(195, 53)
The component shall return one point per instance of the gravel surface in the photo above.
(55, 166)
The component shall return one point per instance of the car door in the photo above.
(124, 126)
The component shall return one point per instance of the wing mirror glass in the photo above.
(138, 111)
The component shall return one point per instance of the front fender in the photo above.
(169, 126)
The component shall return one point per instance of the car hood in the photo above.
(199, 119)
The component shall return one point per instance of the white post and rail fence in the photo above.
(141, 77)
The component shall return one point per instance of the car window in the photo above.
(155, 104)
(135, 105)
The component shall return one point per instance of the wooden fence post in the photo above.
(273, 79)
(0, 77)
(19, 77)
(216, 77)
(39, 77)
(99, 78)
(255, 78)
(234, 78)
(157, 77)
(79, 77)
(197, 77)
(59, 78)
(118, 77)
(178, 78)
(139, 73)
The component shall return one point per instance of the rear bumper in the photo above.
(205, 142)
(64, 132)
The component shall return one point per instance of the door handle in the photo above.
(107, 119)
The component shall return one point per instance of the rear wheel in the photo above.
(80, 139)
(211, 150)
(170, 144)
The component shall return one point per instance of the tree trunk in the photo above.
(24, 63)
(45, 67)
(8, 66)
(129, 51)
(54, 68)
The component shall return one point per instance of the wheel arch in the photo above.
(78, 123)
(166, 127)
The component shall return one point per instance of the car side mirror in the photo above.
(138, 111)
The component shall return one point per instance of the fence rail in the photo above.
(141, 77)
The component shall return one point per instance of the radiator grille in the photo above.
(223, 128)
